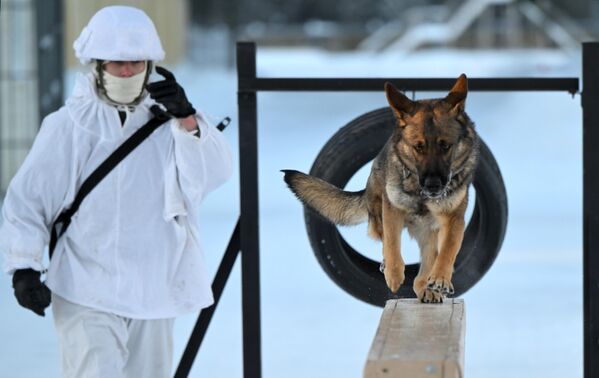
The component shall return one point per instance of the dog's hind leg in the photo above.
(393, 222)
(375, 225)
(375, 217)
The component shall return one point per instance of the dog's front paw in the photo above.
(430, 296)
(394, 276)
(437, 288)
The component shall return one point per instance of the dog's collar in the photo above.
(406, 172)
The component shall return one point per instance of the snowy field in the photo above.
(524, 318)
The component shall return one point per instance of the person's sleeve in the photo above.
(35, 196)
(203, 161)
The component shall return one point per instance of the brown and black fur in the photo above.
(419, 180)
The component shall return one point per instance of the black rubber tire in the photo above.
(355, 145)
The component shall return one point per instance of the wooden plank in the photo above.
(417, 340)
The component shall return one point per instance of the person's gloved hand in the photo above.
(30, 292)
(170, 94)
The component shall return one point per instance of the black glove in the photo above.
(30, 292)
(170, 94)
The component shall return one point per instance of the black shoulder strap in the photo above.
(64, 219)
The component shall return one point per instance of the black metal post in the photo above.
(249, 226)
(590, 173)
(201, 326)
(50, 62)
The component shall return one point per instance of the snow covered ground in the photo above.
(524, 318)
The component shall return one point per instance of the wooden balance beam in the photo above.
(418, 340)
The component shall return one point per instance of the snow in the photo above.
(524, 318)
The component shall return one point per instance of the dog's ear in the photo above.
(457, 95)
(400, 104)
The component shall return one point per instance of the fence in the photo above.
(246, 234)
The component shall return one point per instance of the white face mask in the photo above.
(124, 90)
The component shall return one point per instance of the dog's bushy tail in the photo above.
(334, 204)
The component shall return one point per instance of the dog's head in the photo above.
(434, 137)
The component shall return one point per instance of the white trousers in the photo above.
(98, 344)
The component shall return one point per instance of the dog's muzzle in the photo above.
(434, 186)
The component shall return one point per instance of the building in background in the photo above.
(390, 25)
(19, 92)
(36, 38)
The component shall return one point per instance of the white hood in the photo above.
(119, 33)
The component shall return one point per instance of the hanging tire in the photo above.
(355, 145)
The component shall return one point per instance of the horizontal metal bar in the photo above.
(569, 84)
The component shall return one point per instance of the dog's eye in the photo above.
(444, 146)
(419, 148)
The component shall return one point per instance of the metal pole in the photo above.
(50, 64)
(249, 227)
(201, 326)
(590, 131)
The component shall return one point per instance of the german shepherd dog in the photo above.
(419, 180)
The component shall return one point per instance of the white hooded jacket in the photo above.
(132, 248)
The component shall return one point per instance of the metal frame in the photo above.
(50, 60)
(590, 207)
(246, 235)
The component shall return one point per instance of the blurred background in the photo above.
(37, 38)
(524, 317)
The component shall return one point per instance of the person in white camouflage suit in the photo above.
(130, 261)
